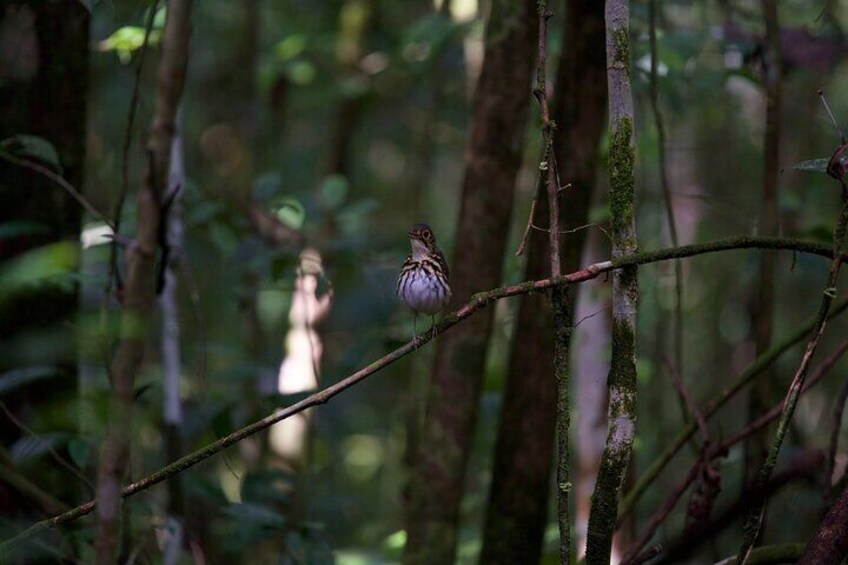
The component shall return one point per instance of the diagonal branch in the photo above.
(712, 451)
(754, 519)
(68, 187)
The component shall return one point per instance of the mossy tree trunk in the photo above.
(493, 157)
(622, 374)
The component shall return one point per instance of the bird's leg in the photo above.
(414, 332)
(433, 327)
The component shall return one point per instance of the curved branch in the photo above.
(478, 302)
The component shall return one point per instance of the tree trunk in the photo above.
(172, 408)
(625, 290)
(139, 291)
(518, 504)
(493, 157)
(830, 542)
(761, 397)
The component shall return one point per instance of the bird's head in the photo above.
(422, 239)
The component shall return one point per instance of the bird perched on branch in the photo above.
(423, 281)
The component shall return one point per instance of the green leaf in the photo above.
(301, 72)
(43, 265)
(127, 39)
(290, 47)
(159, 18)
(291, 212)
(333, 191)
(33, 147)
(16, 378)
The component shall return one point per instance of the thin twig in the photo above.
(592, 315)
(549, 176)
(755, 516)
(114, 273)
(533, 203)
(668, 202)
(832, 117)
(574, 230)
(802, 466)
(772, 415)
(668, 505)
(834, 442)
(55, 454)
(69, 188)
(547, 167)
(689, 402)
(711, 451)
(125, 152)
(745, 378)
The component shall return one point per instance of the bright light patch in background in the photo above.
(230, 478)
(298, 372)
(363, 455)
(96, 234)
(645, 64)
(461, 10)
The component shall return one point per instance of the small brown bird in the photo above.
(423, 281)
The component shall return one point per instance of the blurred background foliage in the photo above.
(346, 121)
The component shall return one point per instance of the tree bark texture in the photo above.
(622, 375)
(761, 395)
(139, 291)
(830, 542)
(517, 512)
(493, 157)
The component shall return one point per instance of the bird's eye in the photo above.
(426, 233)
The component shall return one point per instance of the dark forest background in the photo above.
(313, 134)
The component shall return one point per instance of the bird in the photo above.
(423, 283)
